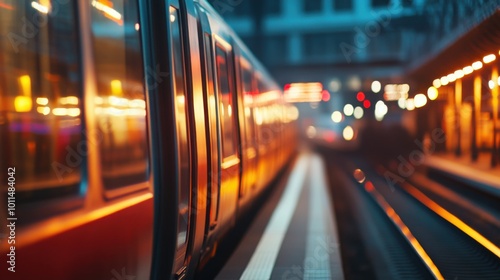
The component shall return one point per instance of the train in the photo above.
(133, 136)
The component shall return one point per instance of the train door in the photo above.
(229, 160)
(213, 127)
(183, 158)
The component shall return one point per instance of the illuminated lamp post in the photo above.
(494, 103)
(476, 116)
(458, 107)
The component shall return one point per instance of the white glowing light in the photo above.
(336, 117)
(444, 81)
(402, 103)
(42, 101)
(436, 83)
(432, 93)
(489, 58)
(459, 74)
(420, 100)
(477, 65)
(376, 86)
(380, 110)
(348, 133)
(348, 110)
(39, 7)
(410, 104)
(358, 112)
(451, 77)
(112, 13)
(468, 70)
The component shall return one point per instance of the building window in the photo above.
(325, 46)
(342, 5)
(276, 49)
(380, 3)
(407, 3)
(312, 6)
(389, 45)
(272, 7)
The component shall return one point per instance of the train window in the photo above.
(40, 99)
(212, 110)
(247, 77)
(225, 89)
(119, 104)
(182, 127)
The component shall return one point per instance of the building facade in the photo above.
(344, 41)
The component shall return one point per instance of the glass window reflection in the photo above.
(120, 106)
(40, 98)
(226, 108)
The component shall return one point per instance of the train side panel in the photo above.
(74, 113)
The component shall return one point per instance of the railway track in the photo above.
(423, 235)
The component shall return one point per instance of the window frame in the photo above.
(226, 160)
(136, 187)
(58, 198)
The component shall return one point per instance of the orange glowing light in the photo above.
(396, 220)
(454, 220)
(106, 7)
(6, 6)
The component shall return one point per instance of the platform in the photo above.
(295, 235)
(478, 173)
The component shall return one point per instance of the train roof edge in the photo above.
(212, 12)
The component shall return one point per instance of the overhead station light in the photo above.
(489, 58)
(468, 70)
(444, 80)
(432, 93)
(477, 65)
(436, 83)
(451, 78)
(304, 92)
(459, 74)
(420, 100)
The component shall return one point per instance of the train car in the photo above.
(133, 136)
